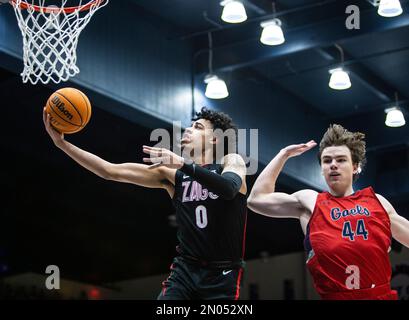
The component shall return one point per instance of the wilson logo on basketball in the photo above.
(70, 108)
(61, 106)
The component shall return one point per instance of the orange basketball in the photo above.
(69, 109)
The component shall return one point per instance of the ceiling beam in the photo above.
(258, 6)
(263, 7)
(281, 12)
(251, 74)
(250, 52)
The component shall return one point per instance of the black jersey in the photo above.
(210, 227)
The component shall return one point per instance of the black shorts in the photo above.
(191, 281)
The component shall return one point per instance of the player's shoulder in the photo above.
(380, 197)
(307, 198)
(385, 202)
(233, 159)
(306, 193)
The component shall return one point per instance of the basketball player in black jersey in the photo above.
(210, 202)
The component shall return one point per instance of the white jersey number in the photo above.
(201, 216)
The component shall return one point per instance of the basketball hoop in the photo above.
(50, 37)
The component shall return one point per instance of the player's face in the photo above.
(199, 135)
(337, 167)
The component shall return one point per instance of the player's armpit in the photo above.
(233, 162)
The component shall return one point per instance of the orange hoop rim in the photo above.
(84, 7)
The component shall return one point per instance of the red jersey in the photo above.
(347, 242)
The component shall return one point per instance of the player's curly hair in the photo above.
(337, 135)
(219, 120)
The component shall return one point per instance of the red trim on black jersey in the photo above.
(243, 249)
(236, 297)
(163, 282)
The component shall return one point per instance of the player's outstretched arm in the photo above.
(264, 200)
(134, 173)
(227, 185)
(399, 225)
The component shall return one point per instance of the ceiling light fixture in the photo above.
(272, 34)
(339, 77)
(233, 11)
(216, 88)
(389, 8)
(394, 116)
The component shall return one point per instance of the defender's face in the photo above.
(198, 136)
(337, 167)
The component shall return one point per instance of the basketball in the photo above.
(69, 109)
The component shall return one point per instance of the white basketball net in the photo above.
(50, 37)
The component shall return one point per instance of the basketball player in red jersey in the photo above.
(347, 234)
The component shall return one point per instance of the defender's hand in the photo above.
(297, 149)
(163, 157)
